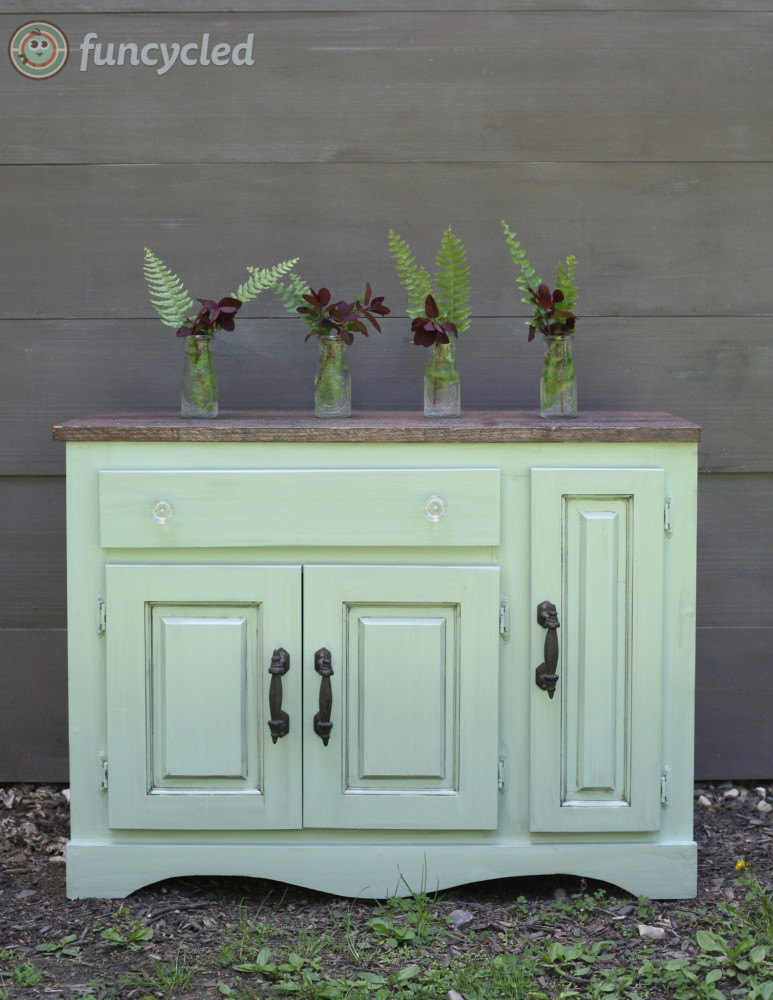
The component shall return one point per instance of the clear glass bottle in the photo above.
(442, 388)
(198, 394)
(558, 382)
(333, 384)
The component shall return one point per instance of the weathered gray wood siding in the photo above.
(634, 133)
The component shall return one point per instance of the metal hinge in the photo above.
(668, 524)
(664, 787)
(103, 770)
(504, 618)
(501, 771)
(101, 614)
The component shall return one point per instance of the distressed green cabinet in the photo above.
(319, 653)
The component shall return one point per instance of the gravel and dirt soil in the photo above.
(210, 924)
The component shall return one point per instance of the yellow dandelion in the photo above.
(740, 863)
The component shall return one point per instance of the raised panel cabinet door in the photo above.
(192, 684)
(597, 555)
(410, 710)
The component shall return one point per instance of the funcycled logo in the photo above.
(38, 50)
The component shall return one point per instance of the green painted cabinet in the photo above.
(319, 653)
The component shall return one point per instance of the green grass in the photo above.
(405, 947)
(27, 975)
(242, 939)
(167, 979)
(584, 945)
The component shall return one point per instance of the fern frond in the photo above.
(168, 295)
(263, 279)
(528, 278)
(414, 279)
(565, 282)
(452, 282)
(291, 294)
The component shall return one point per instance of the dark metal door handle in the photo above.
(322, 724)
(546, 676)
(279, 723)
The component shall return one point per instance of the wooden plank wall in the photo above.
(634, 133)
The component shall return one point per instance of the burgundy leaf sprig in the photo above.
(341, 319)
(553, 312)
(548, 319)
(211, 317)
(427, 331)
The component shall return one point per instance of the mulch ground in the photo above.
(194, 916)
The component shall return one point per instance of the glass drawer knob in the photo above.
(163, 511)
(435, 508)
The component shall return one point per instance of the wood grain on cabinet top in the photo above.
(492, 426)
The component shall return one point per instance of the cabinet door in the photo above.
(415, 654)
(597, 554)
(189, 746)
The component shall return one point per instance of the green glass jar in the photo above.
(333, 384)
(442, 388)
(198, 395)
(558, 382)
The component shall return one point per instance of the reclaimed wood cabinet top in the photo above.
(486, 426)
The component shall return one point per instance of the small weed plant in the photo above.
(757, 909)
(169, 980)
(484, 978)
(63, 948)
(407, 919)
(243, 939)
(27, 975)
(126, 931)
(359, 945)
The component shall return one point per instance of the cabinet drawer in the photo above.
(191, 509)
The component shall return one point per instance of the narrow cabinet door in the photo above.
(189, 696)
(597, 555)
(400, 694)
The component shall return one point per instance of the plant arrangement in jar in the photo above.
(334, 323)
(176, 309)
(439, 309)
(553, 316)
